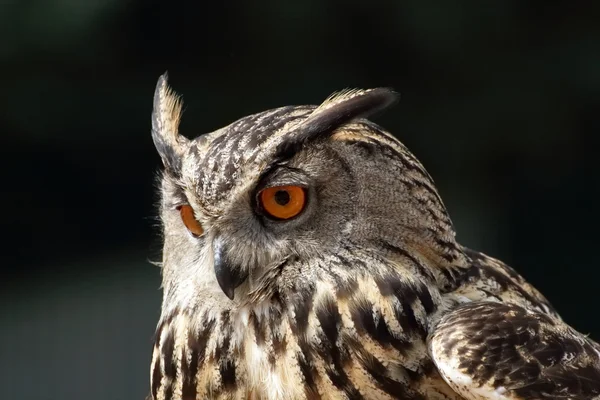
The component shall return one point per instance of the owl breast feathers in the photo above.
(308, 255)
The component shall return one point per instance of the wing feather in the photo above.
(489, 350)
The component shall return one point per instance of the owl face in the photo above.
(281, 189)
(290, 208)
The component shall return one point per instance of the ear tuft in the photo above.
(340, 108)
(350, 104)
(166, 115)
(379, 98)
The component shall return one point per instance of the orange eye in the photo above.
(190, 222)
(283, 202)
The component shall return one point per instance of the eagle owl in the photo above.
(308, 255)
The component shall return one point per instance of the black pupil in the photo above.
(282, 197)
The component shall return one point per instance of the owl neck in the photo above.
(426, 253)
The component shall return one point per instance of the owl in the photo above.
(308, 255)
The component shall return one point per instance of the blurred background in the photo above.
(500, 100)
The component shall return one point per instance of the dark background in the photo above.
(499, 101)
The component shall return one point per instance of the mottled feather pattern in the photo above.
(366, 294)
(520, 353)
(333, 337)
(487, 278)
(217, 172)
(349, 326)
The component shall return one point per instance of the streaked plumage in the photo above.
(365, 294)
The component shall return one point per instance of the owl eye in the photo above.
(283, 202)
(190, 221)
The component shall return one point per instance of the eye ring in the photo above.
(283, 202)
(189, 220)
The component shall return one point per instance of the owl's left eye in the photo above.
(283, 202)
(190, 221)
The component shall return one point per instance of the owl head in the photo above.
(290, 195)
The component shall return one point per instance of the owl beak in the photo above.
(229, 275)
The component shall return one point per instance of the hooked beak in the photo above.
(229, 275)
